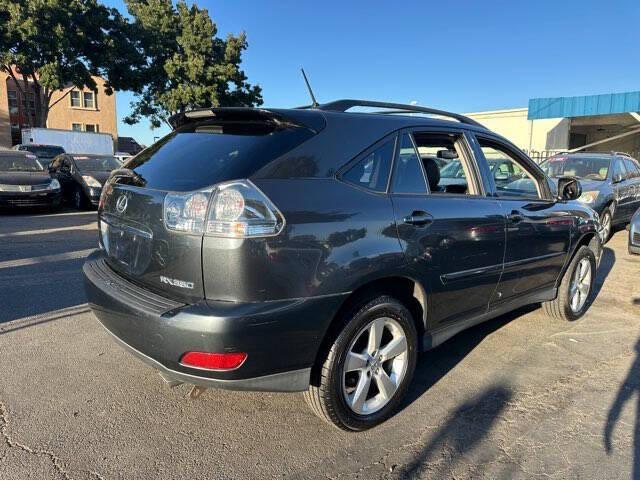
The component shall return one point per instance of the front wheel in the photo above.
(606, 224)
(368, 368)
(576, 288)
(79, 199)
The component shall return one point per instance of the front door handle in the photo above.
(418, 217)
(515, 217)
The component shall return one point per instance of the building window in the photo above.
(13, 101)
(91, 128)
(76, 127)
(89, 100)
(75, 98)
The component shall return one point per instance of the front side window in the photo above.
(510, 177)
(372, 171)
(631, 169)
(74, 95)
(408, 177)
(618, 171)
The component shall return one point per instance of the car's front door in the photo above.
(452, 235)
(538, 228)
(632, 187)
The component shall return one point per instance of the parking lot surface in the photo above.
(519, 396)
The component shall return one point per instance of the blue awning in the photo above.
(583, 106)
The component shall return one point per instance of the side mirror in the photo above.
(617, 178)
(569, 188)
(501, 176)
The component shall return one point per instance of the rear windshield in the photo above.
(594, 168)
(45, 151)
(104, 163)
(20, 163)
(204, 153)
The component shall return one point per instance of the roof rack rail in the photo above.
(624, 154)
(345, 104)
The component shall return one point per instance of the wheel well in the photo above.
(589, 240)
(406, 290)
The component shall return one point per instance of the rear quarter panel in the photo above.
(336, 237)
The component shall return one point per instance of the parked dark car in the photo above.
(45, 153)
(24, 182)
(634, 234)
(610, 184)
(82, 176)
(314, 250)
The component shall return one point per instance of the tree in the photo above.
(56, 45)
(187, 65)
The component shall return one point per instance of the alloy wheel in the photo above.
(605, 229)
(580, 285)
(375, 366)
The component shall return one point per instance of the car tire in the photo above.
(574, 282)
(79, 199)
(606, 221)
(336, 391)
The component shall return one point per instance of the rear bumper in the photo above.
(281, 338)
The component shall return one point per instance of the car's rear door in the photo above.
(453, 241)
(538, 228)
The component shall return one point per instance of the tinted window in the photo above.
(20, 163)
(372, 171)
(204, 153)
(618, 169)
(631, 168)
(407, 176)
(509, 176)
(105, 163)
(45, 151)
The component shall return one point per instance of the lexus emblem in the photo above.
(121, 204)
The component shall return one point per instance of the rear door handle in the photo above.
(515, 217)
(418, 217)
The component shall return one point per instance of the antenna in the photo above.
(314, 102)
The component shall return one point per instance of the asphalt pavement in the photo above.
(519, 396)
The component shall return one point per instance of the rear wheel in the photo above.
(576, 289)
(368, 368)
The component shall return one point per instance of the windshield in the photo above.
(105, 163)
(595, 168)
(45, 151)
(20, 164)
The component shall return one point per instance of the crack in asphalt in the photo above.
(12, 443)
(6, 435)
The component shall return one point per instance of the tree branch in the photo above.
(65, 94)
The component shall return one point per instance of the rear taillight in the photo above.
(214, 361)
(236, 209)
(239, 209)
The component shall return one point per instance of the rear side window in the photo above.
(203, 153)
(372, 171)
(632, 170)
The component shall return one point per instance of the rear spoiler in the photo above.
(278, 117)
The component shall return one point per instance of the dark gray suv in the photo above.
(320, 250)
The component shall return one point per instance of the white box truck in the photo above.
(72, 141)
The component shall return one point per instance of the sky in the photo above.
(462, 56)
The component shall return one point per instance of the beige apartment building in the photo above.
(72, 109)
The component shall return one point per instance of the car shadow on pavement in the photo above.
(629, 388)
(464, 429)
(607, 262)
